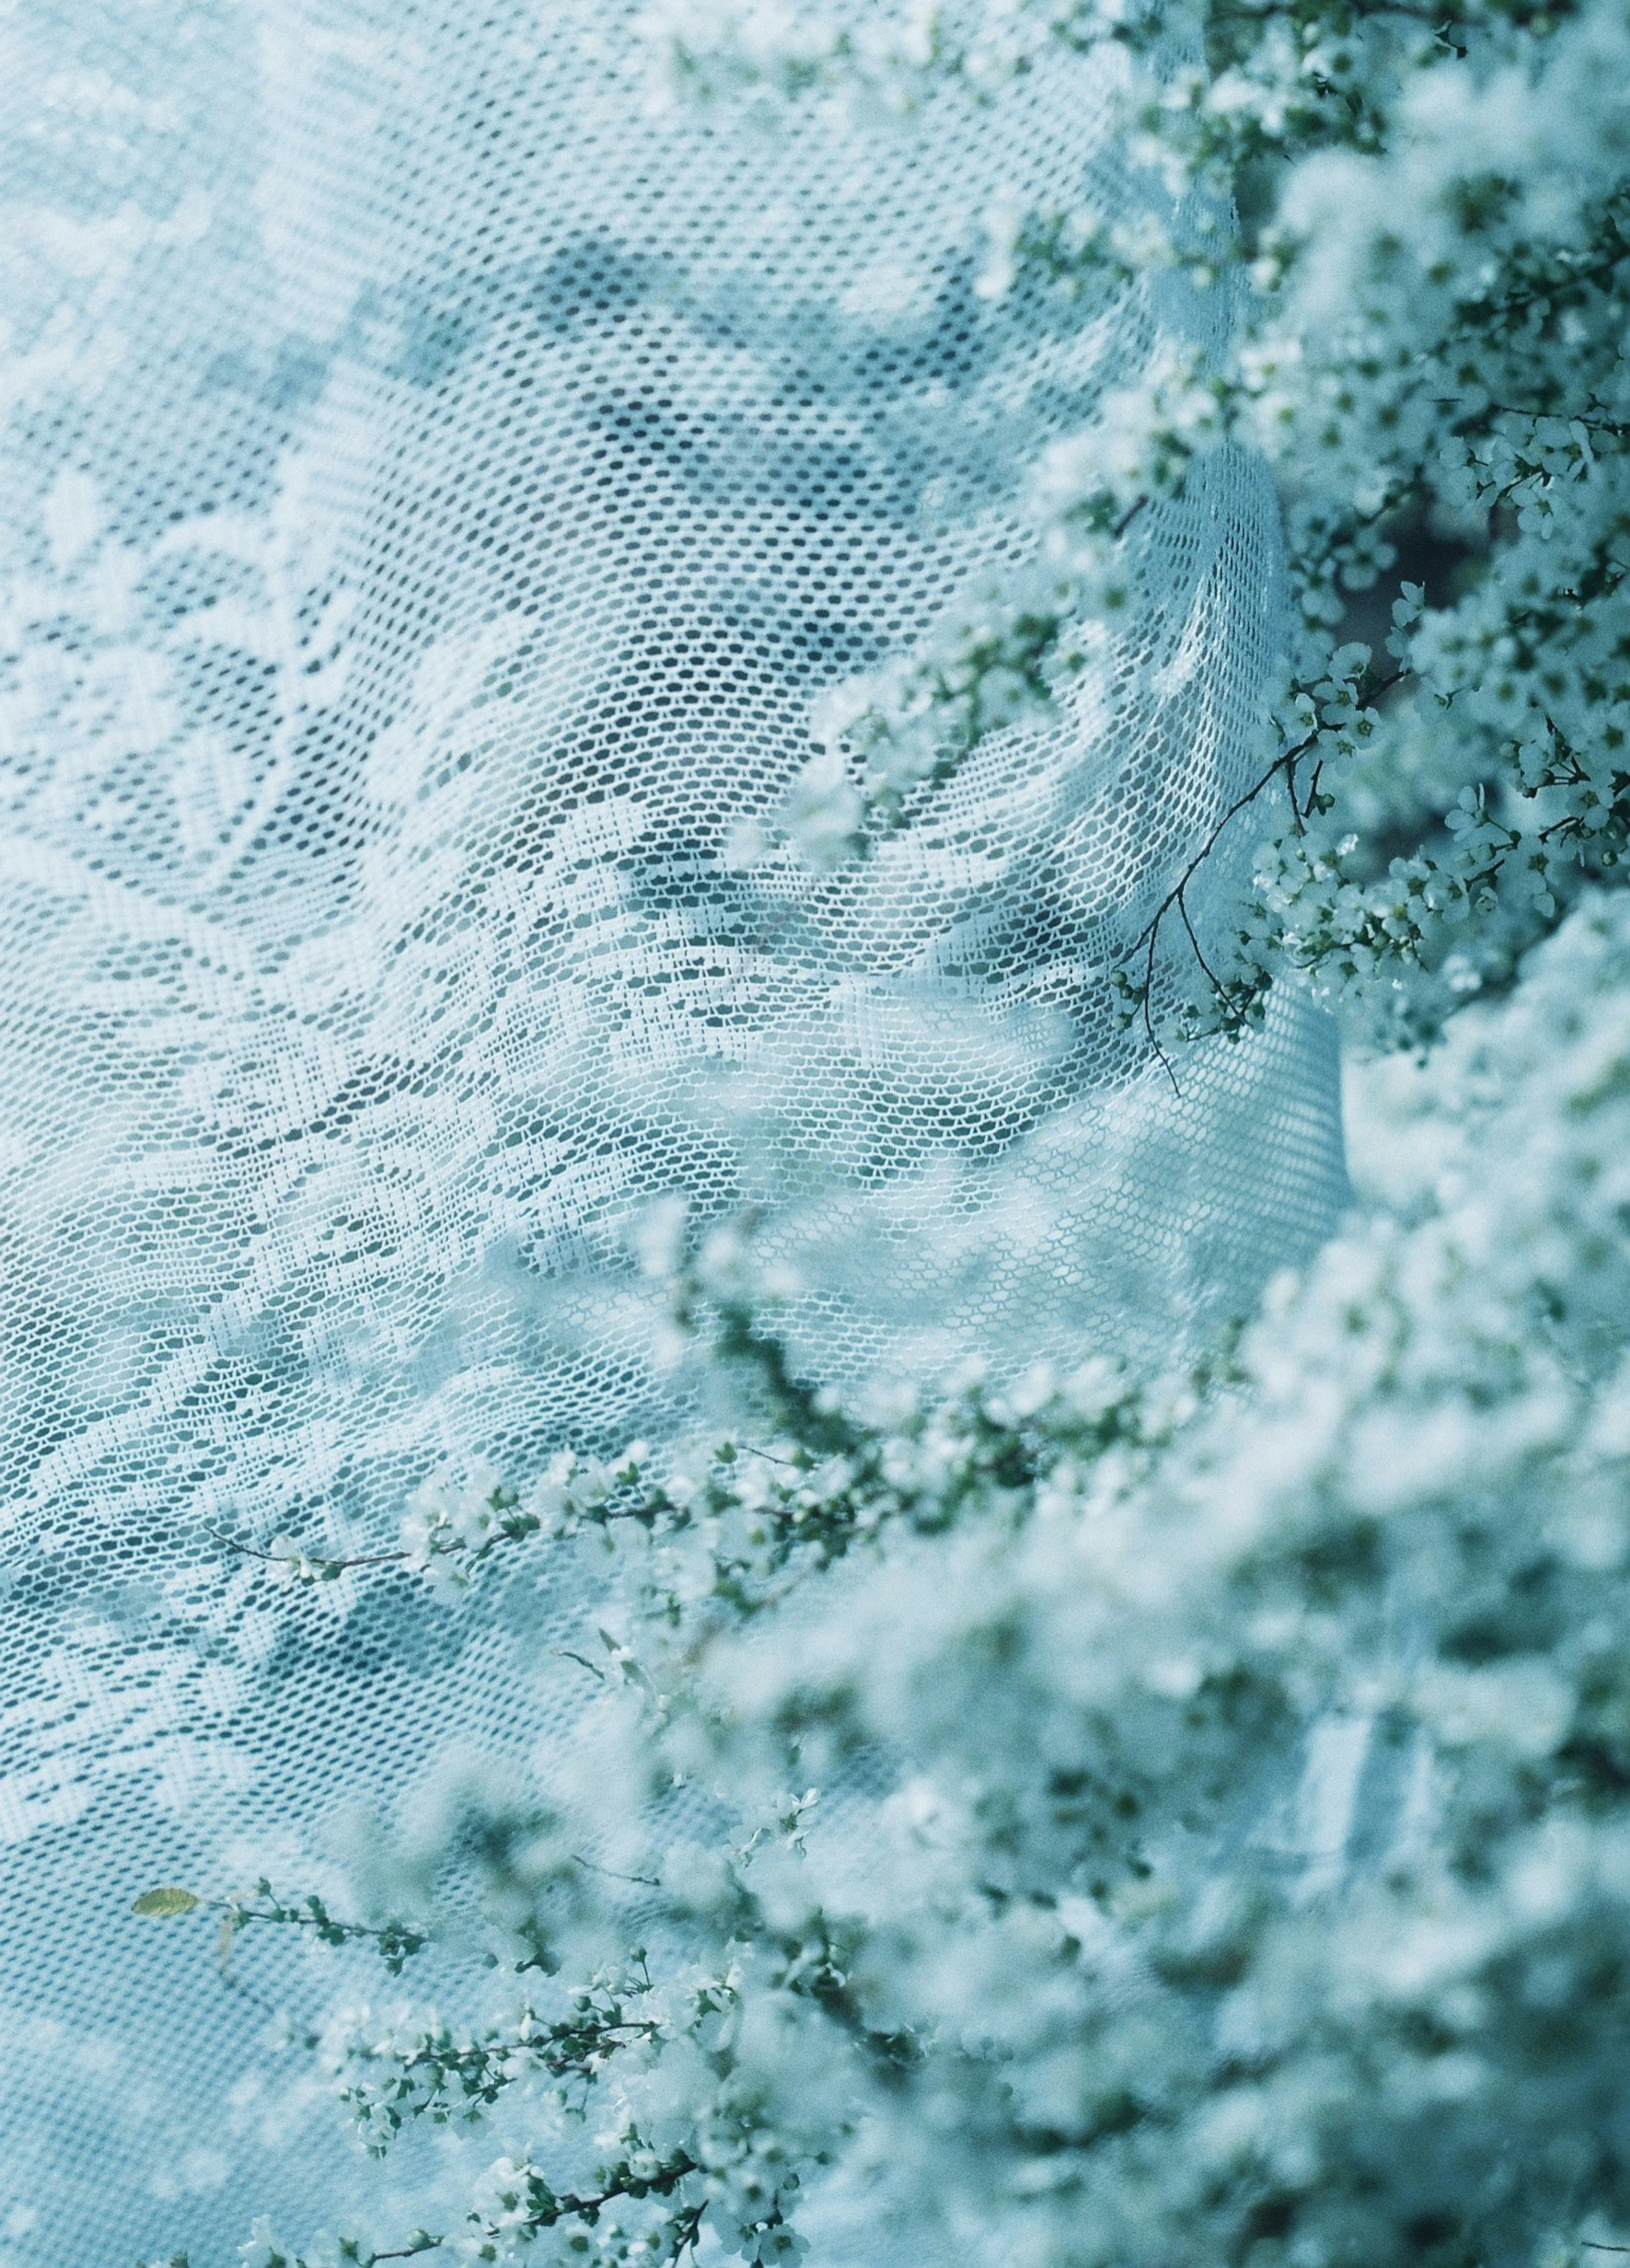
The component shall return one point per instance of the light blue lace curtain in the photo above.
(436, 487)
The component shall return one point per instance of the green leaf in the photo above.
(157, 1906)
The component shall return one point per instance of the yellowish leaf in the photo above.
(157, 1906)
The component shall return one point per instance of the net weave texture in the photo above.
(436, 487)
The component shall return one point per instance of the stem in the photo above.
(1148, 1021)
(1184, 909)
(1285, 763)
(1127, 518)
(1562, 416)
(1176, 896)
(589, 2208)
(290, 1916)
(1478, 317)
(278, 1559)
(1239, 14)
(651, 1882)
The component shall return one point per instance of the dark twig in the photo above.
(1148, 1021)
(1175, 898)
(1182, 907)
(1285, 763)
(280, 1559)
(1561, 417)
(651, 1882)
(1127, 517)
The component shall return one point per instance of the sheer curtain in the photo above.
(438, 481)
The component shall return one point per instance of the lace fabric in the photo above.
(439, 483)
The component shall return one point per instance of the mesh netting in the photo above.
(436, 487)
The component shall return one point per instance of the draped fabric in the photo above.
(440, 480)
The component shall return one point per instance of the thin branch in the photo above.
(1438, 19)
(1182, 907)
(1150, 937)
(588, 2208)
(1283, 763)
(565, 1653)
(1127, 518)
(1561, 416)
(651, 1882)
(690, 2226)
(281, 1559)
(285, 1917)
(1148, 1021)
(1479, 315)
(1176, 896)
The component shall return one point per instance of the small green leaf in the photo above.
(157, 1906)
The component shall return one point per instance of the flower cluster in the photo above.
(888, 60)
(1241, 1764)
(1260, 1881)
(909, 727)
(1421, 323)
(705, 51)
(1434, 360)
